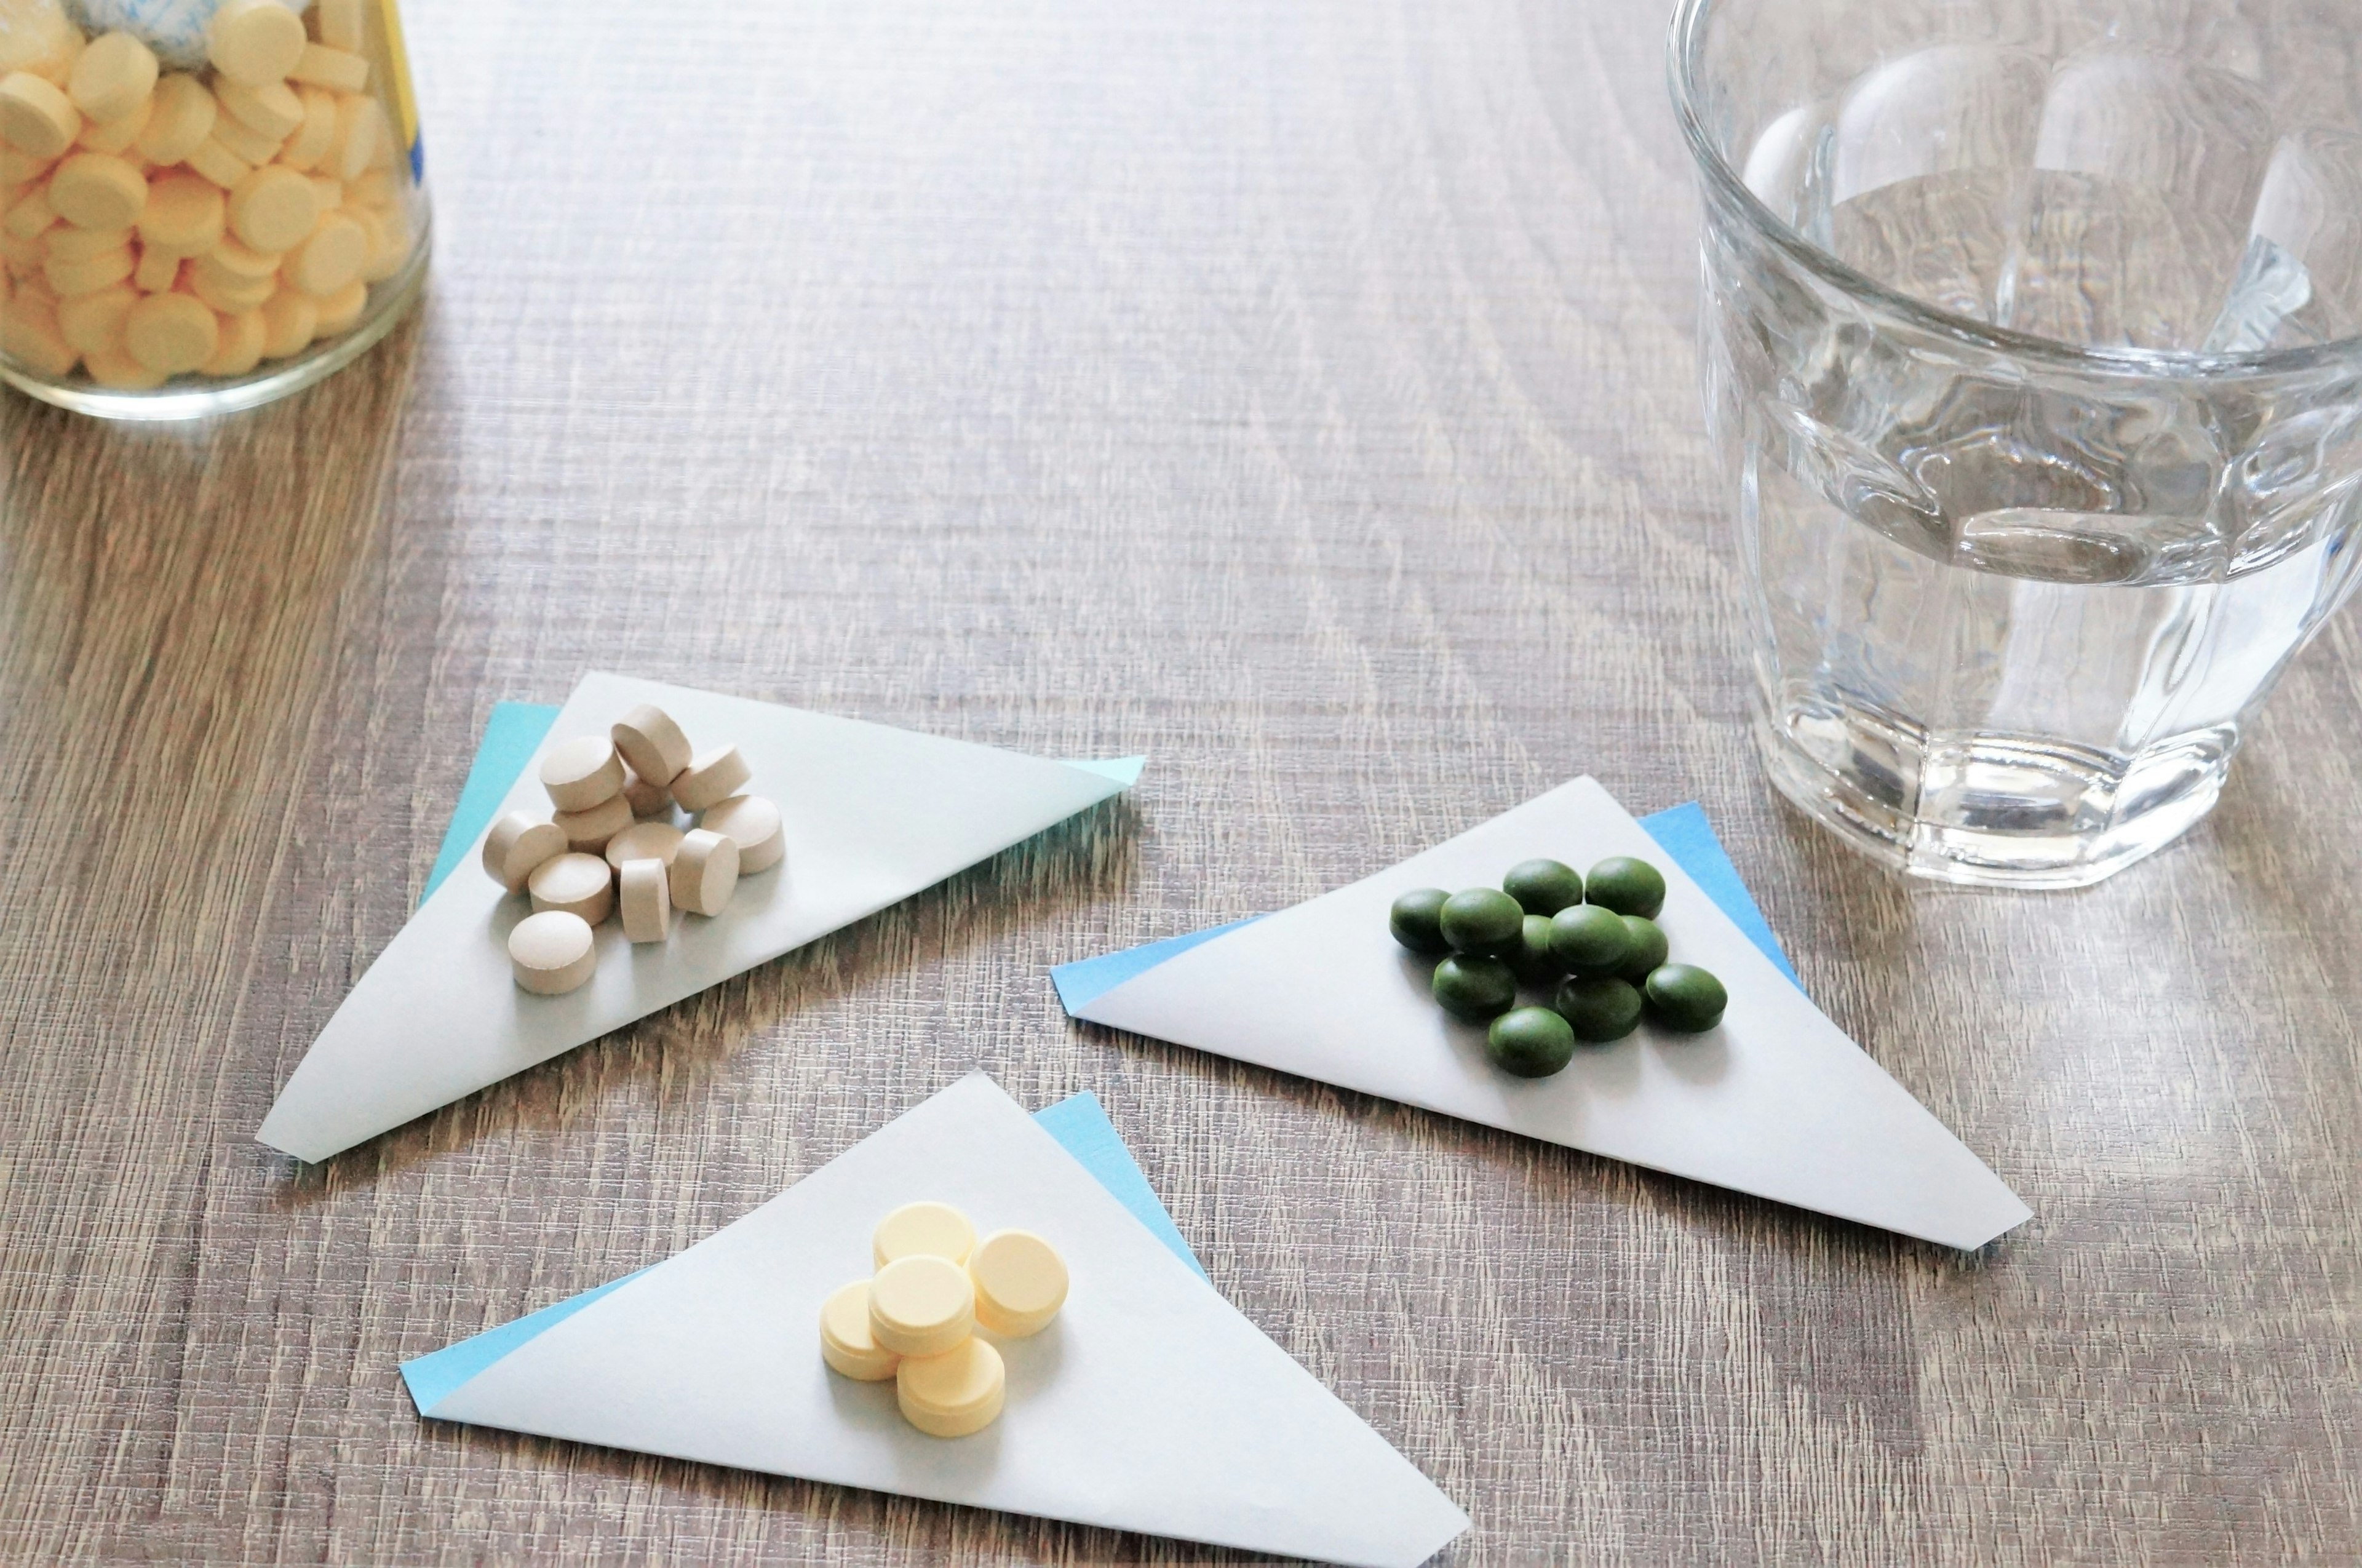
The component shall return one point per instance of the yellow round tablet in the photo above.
(170, 334)
(255, 41)
(272, 209)
(98, 190)
(115, 369)
(552, 953)
(310, 141)
(1020, 1283)
(272, 110)
(921, 1229)
(340, 310)
(29, 331)
(921, 1306)
(93, 321)
(82, 244)
(218, 163)
(184, 214)
(180, 120)
(845, 1343)
(116, 136)
(69, 277)
(580, 884)
(290, 322)
(237, 259)
(241, 344)
(158, 269)
(954, 1394)
(36, 118)
(113, 77)
(231, 296)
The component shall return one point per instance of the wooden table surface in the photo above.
(1302, 394)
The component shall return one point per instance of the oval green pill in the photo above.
(1543, 887)
(1473, 989)
(1534, 961)
(1588, 939)
(1484, 921)
(1417, 919)
(1649, 948)
(1531, 1041)
(1687, 998)
(1626, 886)
(1599, 1011)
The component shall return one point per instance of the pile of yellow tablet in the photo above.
(611, 844)
(158, 222)
(915, 1320)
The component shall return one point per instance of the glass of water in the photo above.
(2031, 359)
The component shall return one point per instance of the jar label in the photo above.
(405, 100)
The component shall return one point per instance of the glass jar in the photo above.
(205, 204)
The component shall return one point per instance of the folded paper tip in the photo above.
(1124, 770)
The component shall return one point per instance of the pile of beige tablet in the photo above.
(609, 846)
(915, 1320)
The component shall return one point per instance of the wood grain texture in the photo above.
(1302, 394)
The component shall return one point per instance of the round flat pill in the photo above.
(1021, 1282)
(587, 830)
(646, 896)
(71, 244)
(649, 800)
(340, 310)
(310, 141)
(178, 120)
(29, 331)
(954, 1394)
(753, 824)
(290, 322)
(704, 872)
(116, 136)
(330, 258)
(339, 23)
(922, 1231)
(184, 214)
(233, 297)
(67, 279)
(243, 140)
(716, 775)
(581, 772)
(172, 334)
(272, 209)
(113, 77)
(845, 1343)
(644, 841)
(93, 323)
(241, 350)
(29, 213)
(580, 884)
(323, 66)
(652, 742)
(255, 41)
(271, 110)
(389, 243)
(117, 371)
(360, 124)
(241, 260)
(98, 190)
(34, 117)
(552, 953)
(159, 270)
(921, 1306)
(518, 846)
(218, 163)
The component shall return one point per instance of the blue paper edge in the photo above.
(1078, 1122)
(515, 730)
(1683, 831)
(511, 736)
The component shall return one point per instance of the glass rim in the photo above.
(1686, 45)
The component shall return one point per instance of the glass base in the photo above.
(1987, 810)
(199, 400)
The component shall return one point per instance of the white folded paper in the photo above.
(1775, 1102)
(872, 814)
(1149, 1403)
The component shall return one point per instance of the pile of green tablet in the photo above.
(1595, 939)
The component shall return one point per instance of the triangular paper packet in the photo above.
(1776, 1101)
(1149, 1405)
(873, 815)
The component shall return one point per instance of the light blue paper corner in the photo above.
(1078, 1122)
(1124, 770)
(1683, 831)
(512, 736)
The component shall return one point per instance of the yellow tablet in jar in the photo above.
(323, 66)
(923, 1230)
(159, 270)
(69, 244)
(921, 1306)
(178, 120)
(272, 110)
(340, 23)
(88, 275)
(241, 344)
(115, 369)
(845, 1343)
(93, 321)
(255, 41)
(116, 136)
(30, 215)
(36, 118)
(227, 295)
(113, 77)
(250, 145)
(170, 334)
(218, 163)
(273, 209)
(310, 141)
(1020, 1283)
(329, 259)
(29, 330)
(97, 190)
(340, 310)
(954, 1394)
(184, 214)
(290, 322)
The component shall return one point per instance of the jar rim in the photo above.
(1685, 55)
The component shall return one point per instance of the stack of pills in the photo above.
(612, 845)
(159, 223)
(915, 1319)
(1595, 940)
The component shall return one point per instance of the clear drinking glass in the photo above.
(2031, 360)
